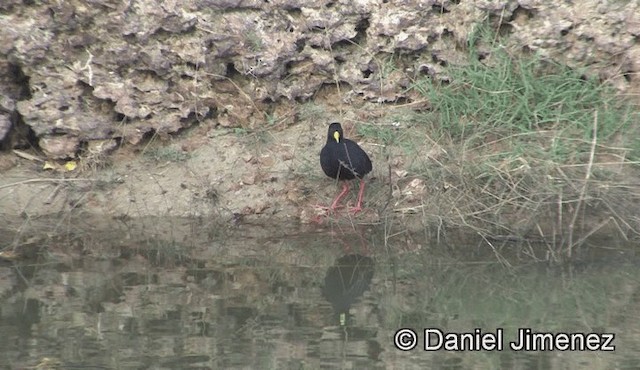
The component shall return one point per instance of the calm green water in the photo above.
(184, 295)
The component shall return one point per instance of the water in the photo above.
(182, 294)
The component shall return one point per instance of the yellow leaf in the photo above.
(8, 255)
(70, 165)
(49, 166)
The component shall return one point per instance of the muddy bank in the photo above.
(204, 110)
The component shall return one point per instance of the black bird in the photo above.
(343, 159)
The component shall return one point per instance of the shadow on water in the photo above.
(185, 294)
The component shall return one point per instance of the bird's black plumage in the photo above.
(342, 158)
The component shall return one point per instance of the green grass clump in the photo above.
(523, 147)
(506, 95)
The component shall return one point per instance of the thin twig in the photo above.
(585, 183)
(52, 180)
(240, 90)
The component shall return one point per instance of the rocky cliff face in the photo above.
(91, 74)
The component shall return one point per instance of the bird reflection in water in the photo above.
(346, 281)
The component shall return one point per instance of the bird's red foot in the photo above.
(321, 208)
(355, 210)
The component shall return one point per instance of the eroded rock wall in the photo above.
(80, 73)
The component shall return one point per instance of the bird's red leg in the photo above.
(358, 206)
(345, 190)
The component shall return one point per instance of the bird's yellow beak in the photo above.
(336, 135)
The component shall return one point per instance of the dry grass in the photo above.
(515, 150)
